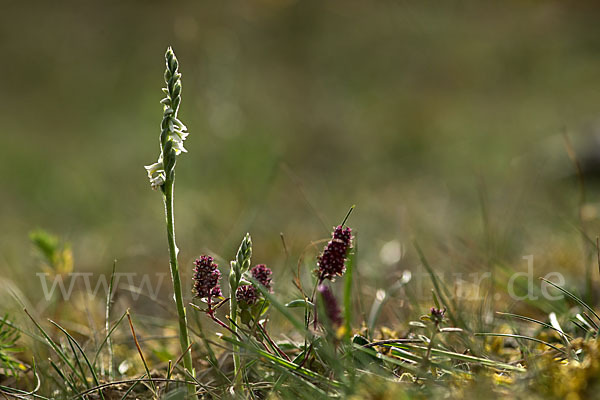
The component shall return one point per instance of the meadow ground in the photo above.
(458, 130)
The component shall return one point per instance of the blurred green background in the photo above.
(439, 120)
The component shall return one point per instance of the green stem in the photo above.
(183, 331)
(430, 345)
(233, 308)
(238, 267)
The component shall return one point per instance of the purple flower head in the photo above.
(332, 309)
(437, 314)
(246, 294)
(206, 278)
(331, 261)
(262, 274)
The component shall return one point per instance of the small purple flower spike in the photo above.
(332, 309)
(262, 274)
(206, 278)
(331, 261)
(246, 294)
(437, 315)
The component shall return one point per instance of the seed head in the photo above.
(206, 278)
(332, 309)
(331, 261)
(262, 274)
(246, 294)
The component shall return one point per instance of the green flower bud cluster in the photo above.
(241, 264)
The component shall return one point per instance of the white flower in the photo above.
(181, 133)
(156, 174)
(178, 142)
(153, 167)
(157, 181)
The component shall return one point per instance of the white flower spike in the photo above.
(172, 129)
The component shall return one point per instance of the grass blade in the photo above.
(436, 285)
(92, 370)
(577, 299)
(62, 375)
(392, 360)
(298, 303)
(53, 345)
(350, 265)
(78, 364)
(107, 323)
(545, 325)
(590, 321)
(133, 386)
(288, 365)
(472, 359)
(107, 336)
(279, 306)
(522, 337)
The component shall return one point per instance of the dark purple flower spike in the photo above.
(331, 261)
(206, 278)
(246, 294)
(263, 275)
(330, 304)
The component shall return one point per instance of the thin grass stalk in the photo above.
(78, 364)
(139, 349)
(111, 361)
(97, 354)
(62, 375)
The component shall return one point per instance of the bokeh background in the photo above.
(441, 121)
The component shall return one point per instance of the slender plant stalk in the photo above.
(240, 265)
(233, 306)
(430, 345)
(107, 323)
(162, 176)
(139, 349)
(183, 331)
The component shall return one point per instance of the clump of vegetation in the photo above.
(9, 336)
(320, 348)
